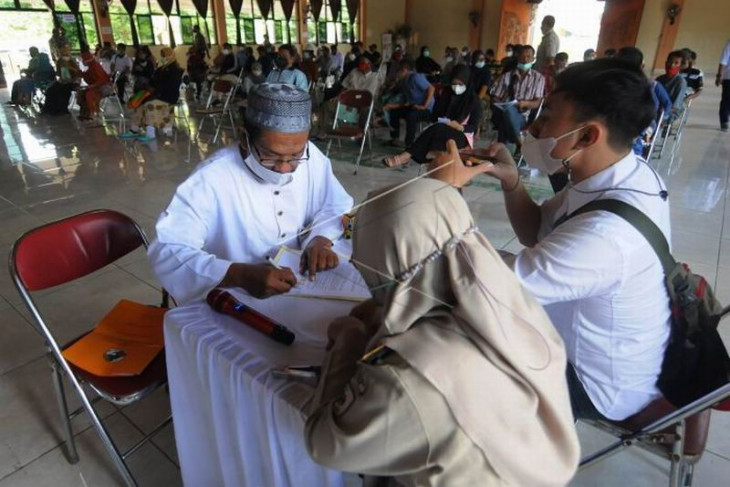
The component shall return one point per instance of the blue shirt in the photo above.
(415, 88)
(289, 76)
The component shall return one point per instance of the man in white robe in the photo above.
(243, 203)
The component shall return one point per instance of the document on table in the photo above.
(344, 282)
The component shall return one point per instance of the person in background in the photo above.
(723, 79)
(458, 113)
(426, 65)
(351, 60)
(121, 68)
(201, 45)
(373, 55)
(609, 53)
(465, 57)
(693, 76)
(338, 60)
(309, 66)
(558, 66)
(57, 41)
(674, 82)
(105, 57)
(418, 103)
(59, 92)
(549, 45)
(206, 238)
(481, 75)
(143, 68)
(325, 63)
(364, 78)
(254, 78)
(515, 94)
(158, 111)
(589, 55)
(225, 62)
(450, 61)
(241, 58)
(250, 59)
(266, 59)
(98, 85)
(197, 70)
(510, 61)
(660, 98)
(600, 282)
(285, 71)
(38, 74)
(452, 375)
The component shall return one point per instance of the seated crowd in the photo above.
(554, 332)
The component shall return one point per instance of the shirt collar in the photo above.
(611, 177)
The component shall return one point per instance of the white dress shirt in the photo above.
(725, 61)
(121, 64)
(223, 214)
(603, 287)
(357, 80)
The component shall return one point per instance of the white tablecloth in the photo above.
(236, 424)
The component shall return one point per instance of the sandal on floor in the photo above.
(395, 161)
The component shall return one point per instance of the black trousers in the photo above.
(412, 116)
(121, 83)
(434, 138)
(725, 103)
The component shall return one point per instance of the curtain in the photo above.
(202, 7)
(166, 6)
(236, 9)
(352, 9)
(288, 7)
(316, 12)
(51, 4)
(265, 7)
(335, 7)
(130, 6)
(73, 5)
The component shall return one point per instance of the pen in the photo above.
(271, 261)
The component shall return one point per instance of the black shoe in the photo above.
(724, 127)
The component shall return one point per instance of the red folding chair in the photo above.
(362, 101)
(61, 252)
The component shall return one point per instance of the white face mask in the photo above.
(509, 53)
(459, 89)
(538, 152)
(266, 175)
(449, 59)
(226, 51)
(480, 64)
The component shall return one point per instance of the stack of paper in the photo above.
(343, 282)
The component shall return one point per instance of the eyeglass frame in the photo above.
(268, 165)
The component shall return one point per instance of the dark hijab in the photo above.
(457, 107)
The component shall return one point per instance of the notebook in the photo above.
(124, 342)
(344, 282)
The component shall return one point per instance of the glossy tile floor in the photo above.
(51, 168)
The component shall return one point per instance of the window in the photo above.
(330, 31)
(152, 26)
(86, 19)
(253, 27)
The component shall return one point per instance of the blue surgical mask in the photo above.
(524, 66)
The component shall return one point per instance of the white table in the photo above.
(236, 424)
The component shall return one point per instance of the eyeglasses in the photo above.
(271, 162)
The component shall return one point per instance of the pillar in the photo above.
(219, 14)
(668, 35)
(103, 22)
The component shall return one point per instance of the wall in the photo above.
(381, 16)
(490, 28)
(440, 23)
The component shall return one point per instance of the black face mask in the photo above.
(281, 63)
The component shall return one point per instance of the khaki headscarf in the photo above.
(467, 325)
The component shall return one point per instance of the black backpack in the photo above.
(696, 361)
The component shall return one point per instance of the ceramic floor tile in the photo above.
(30, 423)
(21, 342)
(693, 247)
(148, 464)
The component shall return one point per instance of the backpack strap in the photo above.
(638, 220)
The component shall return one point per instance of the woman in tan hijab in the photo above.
(462, 375)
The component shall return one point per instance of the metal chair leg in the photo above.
(71, 454)
(359, 157)
(329, 145)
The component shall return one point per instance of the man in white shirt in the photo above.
(723, 78)
(243, 203)
(121, 66)
(364, 78)
(549, 45)
(598, 278)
